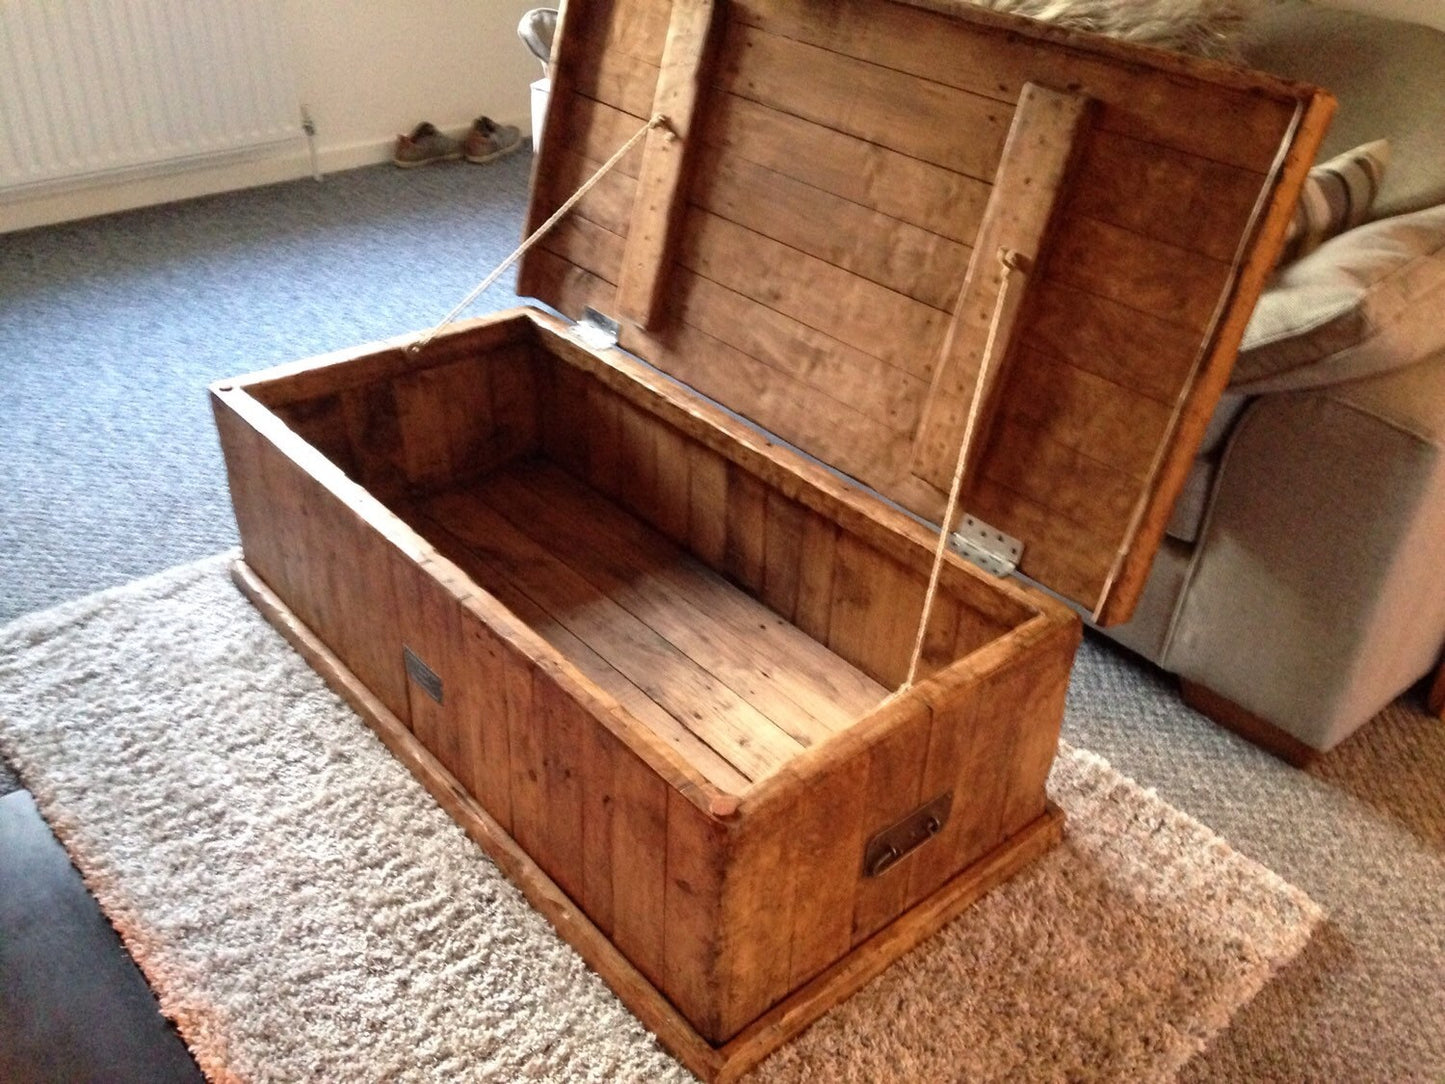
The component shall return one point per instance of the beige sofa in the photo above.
(1303, 583)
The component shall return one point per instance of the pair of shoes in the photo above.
(425, 145)
(489, 140)
(485, 141)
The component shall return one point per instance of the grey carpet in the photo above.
(109, 469)
(110, 330)
(224, 806)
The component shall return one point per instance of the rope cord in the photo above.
(1012, 262)
(657, 121)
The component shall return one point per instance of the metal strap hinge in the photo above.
(597, 331)
(988, 547)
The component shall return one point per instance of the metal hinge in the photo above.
(596, 330)
(988, 547)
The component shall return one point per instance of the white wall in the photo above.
(366, 70)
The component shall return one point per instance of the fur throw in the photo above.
(1202, 27)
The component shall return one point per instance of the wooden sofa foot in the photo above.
(1436, 699)
(1247, 725)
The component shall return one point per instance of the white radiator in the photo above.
(96, 87)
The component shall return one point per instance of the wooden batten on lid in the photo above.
(813, 241)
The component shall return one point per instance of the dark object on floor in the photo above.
(73, 1007)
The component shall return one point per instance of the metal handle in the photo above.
(890, 846)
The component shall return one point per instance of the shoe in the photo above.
(488, 140)
(424, 146)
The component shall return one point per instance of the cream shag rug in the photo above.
(306, 912)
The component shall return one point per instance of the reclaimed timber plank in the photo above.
(741, 734)
(932, 198)
(1027, 461)
(876, 604)
(698, 856)
(1230, 115)
(1073, 562)
(776, 347)
(609, 202)
(321, 422)
(895, 774)
(599, 752)
(1127, 347)
(295, 527)
(591, 665)
(849, 235)
(759, 887)
(1110, 423)
(637, 460)
(782, 554)
(794, 1013)
(746, 526)
(1120, 178)
(589, 246)
(637, 990)
(1043, 142)
(563, 727)
(604, 440)
(899, 330)
(827, 821)
(1167, 282)
(352, 367)
(914, 116)
(640, 867)
(656, 585)
(670, 506)
(564, 418)
(707, 504)
(813, 610)
(668, 155)
(814, 671)
(1134, 554)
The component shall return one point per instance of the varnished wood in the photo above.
(1043, 142)
(1247, 725)
(696, 877)
(869, 959)
(711, 1062)
(933, 198)
(697, 698)
(654, 1009)
(667, 153)
(878, 247)
(1130, 568)
(885, 111)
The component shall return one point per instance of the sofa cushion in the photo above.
(1387, 77)
(1337, 196)
(1365, 302)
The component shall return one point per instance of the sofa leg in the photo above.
(1247, 725)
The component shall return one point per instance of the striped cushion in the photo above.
(1336, 197)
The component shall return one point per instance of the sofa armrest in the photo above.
(1316, 592)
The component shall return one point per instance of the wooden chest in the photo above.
(651, 650)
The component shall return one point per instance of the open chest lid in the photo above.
(814, 240)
